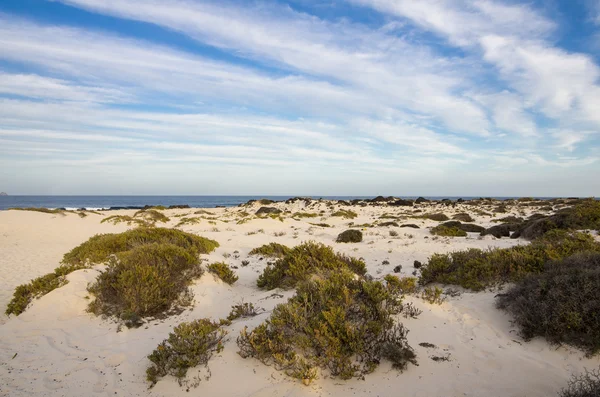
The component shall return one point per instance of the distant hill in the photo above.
(3, 194)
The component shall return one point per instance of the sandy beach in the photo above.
(56, 348)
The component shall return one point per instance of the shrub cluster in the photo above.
(223, 271)
(302, 262)
(405, 285)
(271, 250)
(350, 236)
(335, 322)
(585, 385)
(446, 231)
(146, 281)
(189, 345)
(562, 304)
(242, 310)
(436, 217)
(347, 214)
(101, 248)
(476, 269)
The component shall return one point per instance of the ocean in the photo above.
(134, 202)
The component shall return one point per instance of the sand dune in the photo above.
(63, 351)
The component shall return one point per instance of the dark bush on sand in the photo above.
(500, 231)
(446, 231)
(466, 227)
(562, 304)
(223, 271)
(302, 262)
(336, 322)
(99, 249)
(350, 236)
(476, 269)
(437, 217)
(585, 385)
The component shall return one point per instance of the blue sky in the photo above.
(306, 97)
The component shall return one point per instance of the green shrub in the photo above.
(303, 261)
(271, 250)
(152, 216)
(446, 231)
(585, 385)
(562, 304)
(189, 221)
(304, 215)
(100, 247)
(320, 224)
(116, 219)
(242, 310)
(350, 236)
(476, 269)
(347, 214)
(189, 345)
(433, 295)
(335, 322)
(223, 271)
(405, 285)
(146, 281)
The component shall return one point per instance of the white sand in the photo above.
(64, 351)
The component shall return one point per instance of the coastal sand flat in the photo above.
(63, 351)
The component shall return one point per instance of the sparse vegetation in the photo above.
(584, 385)
(224, 272)
(346, 214)
(271, 250)
(242, 310)
(189, 221)
(562, 304)
(405, 285)
(476, 269)
(302, 262)
(59, 211)
(463, 217)
(304, 215)
(189, 345)
(334, 322)
(436, 217)
(433, 295)
(320, 224)
(350, 236)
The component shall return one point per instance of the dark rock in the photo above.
(421, 200)
(500, 231)
(410, 225)
(268, 210)
(398, 269)
(402, 203)
(463, 217)
(417, 265)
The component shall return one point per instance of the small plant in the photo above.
(242, 310)
(409, 310)
(433, 295)
(245, 263)
(405, 285)
(584, 385)
(271, 250)
(346, 214)
(393, 233)
(304, 215)
(223, 271)
(320, 224)
(189, 345)
(350, 236)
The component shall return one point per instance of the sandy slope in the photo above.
(63, 351)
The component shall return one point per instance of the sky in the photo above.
(300, 97)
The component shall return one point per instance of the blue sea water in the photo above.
(107, 202)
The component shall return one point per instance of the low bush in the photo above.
(433, 295)
(148, 280)
(302, 262)
(436, 217)
(448, 231)
(271, 250)
(476, 269)
(242, 310)
(224, 272)
(584, 385)
(116, 219)
(562, 304)
(465, 227)
(405, 285)
(189, 345)
(304, 215)
(335, 322)
(99, 249)
(350, 236)
(320, 224)
(463, 217)
(152, 216)
(189, 221)
(347, 214)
